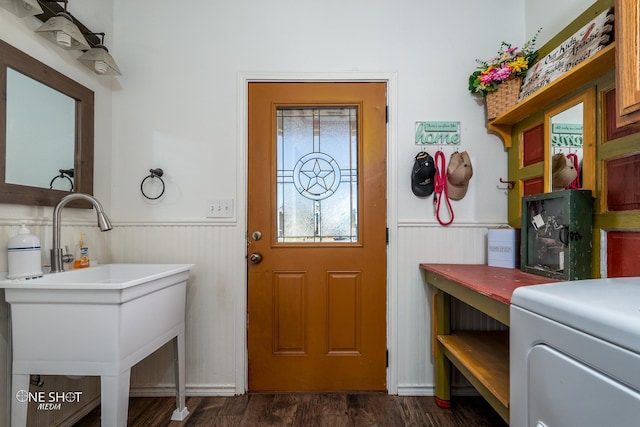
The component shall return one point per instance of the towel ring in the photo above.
(64, 173)
(154, 173)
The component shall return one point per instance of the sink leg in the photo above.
(181, 411)
(19, 400)
(115, 399)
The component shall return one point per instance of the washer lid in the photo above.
(606, 308)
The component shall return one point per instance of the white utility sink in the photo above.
(97, 321)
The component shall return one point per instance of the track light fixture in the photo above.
(62, 30)
(22, 8)
(99, 60)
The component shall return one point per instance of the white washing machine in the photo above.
(575, 354)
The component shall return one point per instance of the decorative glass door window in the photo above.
(317, 175)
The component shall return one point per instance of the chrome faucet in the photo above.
(56, 250)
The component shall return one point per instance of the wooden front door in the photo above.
(317, 236)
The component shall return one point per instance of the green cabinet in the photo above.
(556, 234)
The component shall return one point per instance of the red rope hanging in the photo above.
(575, 184)
(440, 191)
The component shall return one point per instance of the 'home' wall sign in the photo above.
(438, 133)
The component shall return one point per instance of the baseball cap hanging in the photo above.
(459, 172)
(424, 170)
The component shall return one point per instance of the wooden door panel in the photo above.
(622, 254)
(289, 303)
(627, 28)
(317, 311)
(343, 313)
(533, 186)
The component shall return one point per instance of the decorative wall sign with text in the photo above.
(567, 135)
(579, 47)
(438, 133)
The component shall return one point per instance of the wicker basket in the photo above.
(504, 98)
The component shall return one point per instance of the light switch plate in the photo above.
(220, 208)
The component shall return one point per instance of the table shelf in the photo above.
(483, 358)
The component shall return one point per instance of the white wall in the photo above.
(181, 108)
(179, 105)
(552, 16)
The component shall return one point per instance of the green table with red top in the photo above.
(481, 356)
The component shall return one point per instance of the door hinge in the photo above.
(387, 358)
(386, 114)
(387, 236)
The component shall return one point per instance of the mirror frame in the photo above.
(84, 129)
(588, 100)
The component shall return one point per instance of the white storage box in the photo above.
(503, 249)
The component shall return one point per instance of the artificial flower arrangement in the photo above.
(510, 62)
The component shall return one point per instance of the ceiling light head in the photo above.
(99, 60)
(22, 8)
(61, 30)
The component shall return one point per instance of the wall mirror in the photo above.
(46, 132)
(570, 135)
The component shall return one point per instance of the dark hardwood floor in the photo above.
(309, 410)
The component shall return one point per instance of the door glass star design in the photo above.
(317, 174)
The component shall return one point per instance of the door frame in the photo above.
(240, 296)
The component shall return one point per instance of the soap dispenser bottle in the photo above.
(24, 255)
(83, 260)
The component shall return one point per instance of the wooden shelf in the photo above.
(601, 63)
(483, 358)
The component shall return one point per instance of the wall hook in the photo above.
(510, 185)
(156, 172)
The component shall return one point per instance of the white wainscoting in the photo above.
(429, 243)
(210, 325)
(211, 360)
(218, 253)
